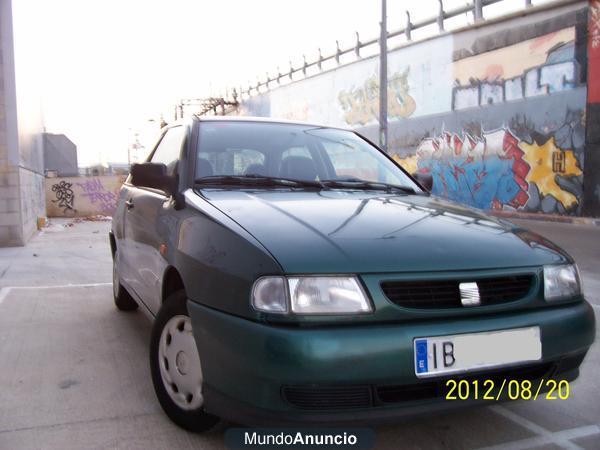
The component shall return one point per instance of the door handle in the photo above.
(129, 204)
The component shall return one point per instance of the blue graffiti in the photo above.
(475, 183)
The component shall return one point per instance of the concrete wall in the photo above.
(496, 113)
(10, 197)
(21, 157)
(82, 196)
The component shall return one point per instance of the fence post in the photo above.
(440, 19)
(357, 47)
(408, 28)
(477, 11)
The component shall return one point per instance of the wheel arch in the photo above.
(172, 282)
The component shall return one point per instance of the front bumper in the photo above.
(248, 366)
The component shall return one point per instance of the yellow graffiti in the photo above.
(541, 158)
(409, 163)
(361, 105)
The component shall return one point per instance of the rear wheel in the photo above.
(123, 299)
(175, 366)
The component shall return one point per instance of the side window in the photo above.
(169, 149)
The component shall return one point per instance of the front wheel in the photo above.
(175, 366)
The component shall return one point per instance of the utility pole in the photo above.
(383, 128)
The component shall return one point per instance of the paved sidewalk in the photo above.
(75, 370)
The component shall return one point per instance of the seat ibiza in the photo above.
(295, 274)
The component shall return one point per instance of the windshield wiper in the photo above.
(357, 183)
(266, 181)
(255, 180)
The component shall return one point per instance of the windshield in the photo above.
(257, 150)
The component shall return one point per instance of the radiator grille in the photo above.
(434, 294)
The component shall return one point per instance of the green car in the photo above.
(296, 274)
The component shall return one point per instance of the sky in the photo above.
(108, 67)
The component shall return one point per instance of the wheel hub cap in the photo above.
(179, 363)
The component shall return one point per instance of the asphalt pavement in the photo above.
(74, 371)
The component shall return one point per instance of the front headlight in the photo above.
(310, 295)
(561, 282)
(327, 295)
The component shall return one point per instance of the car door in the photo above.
(123, 235)
(149, 220)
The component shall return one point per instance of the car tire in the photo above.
(175, 367)
(123, 300)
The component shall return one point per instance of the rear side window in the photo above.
(169, 149)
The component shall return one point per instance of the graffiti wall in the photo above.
(495, 113)
(82, 196)
(591, 174)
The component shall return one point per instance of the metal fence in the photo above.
(219, 104)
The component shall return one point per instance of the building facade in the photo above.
(21, 145)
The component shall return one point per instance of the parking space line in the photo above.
(7, 289)
(3, 293)
(561, 438)
(62, 286)
(526, 423)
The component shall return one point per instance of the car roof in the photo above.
(262, 120)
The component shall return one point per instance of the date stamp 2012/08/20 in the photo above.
(496, 390)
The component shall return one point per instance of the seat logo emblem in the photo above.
(469, 294)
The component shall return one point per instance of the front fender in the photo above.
(219, 262)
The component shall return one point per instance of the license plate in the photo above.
(466, 352)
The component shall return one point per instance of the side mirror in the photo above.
(424, 179)
(153, 175)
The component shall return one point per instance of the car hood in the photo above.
(337, 231)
